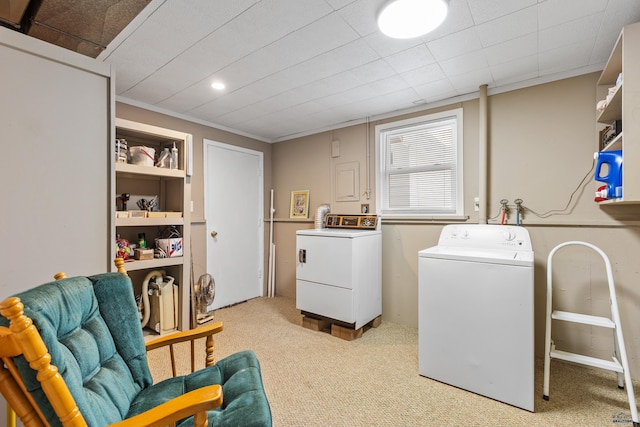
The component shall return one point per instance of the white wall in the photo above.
(55, 117)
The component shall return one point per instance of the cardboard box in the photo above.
(171, 247)
(142, 254)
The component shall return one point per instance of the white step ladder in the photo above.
(618, 363)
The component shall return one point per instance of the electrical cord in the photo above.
(551, 212)
(564, 211)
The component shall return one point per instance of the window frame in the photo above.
(382, 175)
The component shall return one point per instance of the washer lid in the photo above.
(510, 257)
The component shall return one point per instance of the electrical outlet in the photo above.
(364, 208)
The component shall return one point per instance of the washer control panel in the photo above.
(485, 236)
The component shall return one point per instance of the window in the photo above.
(420, 166)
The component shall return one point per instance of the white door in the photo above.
(234, 216)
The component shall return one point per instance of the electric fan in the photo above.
(205, 292)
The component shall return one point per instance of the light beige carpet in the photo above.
(314, 379)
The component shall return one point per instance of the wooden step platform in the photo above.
(337, 328)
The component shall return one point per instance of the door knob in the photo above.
(214, 233)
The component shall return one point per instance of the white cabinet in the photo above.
(173, 207)
(339, 274)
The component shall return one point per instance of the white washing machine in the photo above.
(476, 300)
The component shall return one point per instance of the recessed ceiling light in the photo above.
(218, 85)
(405, 19)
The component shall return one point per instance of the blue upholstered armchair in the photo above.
(98, 374)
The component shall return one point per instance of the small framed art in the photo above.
(299, 204)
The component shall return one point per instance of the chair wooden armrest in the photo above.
(188, 336)
(196, 402)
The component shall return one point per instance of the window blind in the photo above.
(420, 167)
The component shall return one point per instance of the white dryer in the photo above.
(476, 312)
(339, 274)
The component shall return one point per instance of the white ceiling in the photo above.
(297, 67)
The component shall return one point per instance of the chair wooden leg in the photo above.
(201, 419)
(210, 360)
(11, 417)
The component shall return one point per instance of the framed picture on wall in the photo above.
(299, 204)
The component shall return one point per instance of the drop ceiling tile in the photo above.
(565, 58)
(317, 38)
(471, 81)
(464, 64)
(237, 101)
(435, 90)
(488, 10)
(411, 59)
(189, 98)
(347, 57)
(129, 70)
(423, 75)
(271, 85)
(569, 33)
(380, 87)
(558, 12)
(339, 4)
(454, 45)
(362, 15)
(242, 115)
(306, 108)
(346, 96)
(168, 81)
(395, 100)
(166, 33)
(512, 49)
(459, 18)
(290, 98)
(222, 48)
(329, 86)
(513, 71)
(617, 15)
(372, 71)
(509, 27)
(386, 46)
(149, 93)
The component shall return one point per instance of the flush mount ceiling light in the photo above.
(405, 19)
(218, 85)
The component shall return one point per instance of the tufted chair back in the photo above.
(91, 329)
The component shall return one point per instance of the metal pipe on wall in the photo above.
(482, 156)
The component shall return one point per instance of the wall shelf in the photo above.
(624, 106)
(174, 195)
